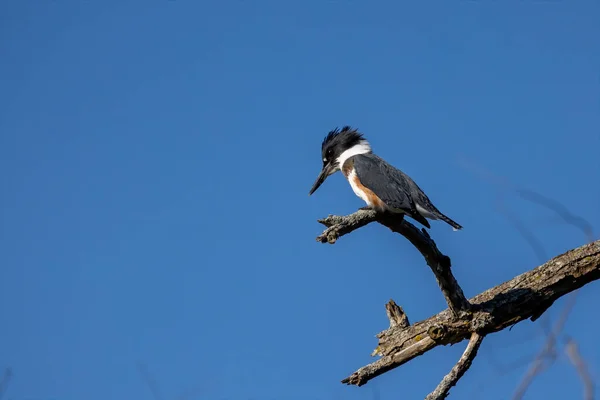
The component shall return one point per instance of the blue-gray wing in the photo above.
(387, 182)
(396, 189)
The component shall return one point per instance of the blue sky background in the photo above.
(156, 159)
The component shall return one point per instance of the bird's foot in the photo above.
(366, 208)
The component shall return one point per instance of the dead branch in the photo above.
(526, 296)
(463, 364)
(439, 263)
(493, 310)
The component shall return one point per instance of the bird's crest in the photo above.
(346, 134)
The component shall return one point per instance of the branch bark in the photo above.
(439, 263)
(526, 296)
(521, 298)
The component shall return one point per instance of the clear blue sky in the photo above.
(156, 159)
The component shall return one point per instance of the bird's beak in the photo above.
(325, 172)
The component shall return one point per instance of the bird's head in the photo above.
(337, 147)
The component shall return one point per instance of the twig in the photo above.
(439, 263)
(507, 186)
(572, 351)
(548, 353)
(529, 237)
(4, 382)
(463, 364)
(150, 381)
(562, 211)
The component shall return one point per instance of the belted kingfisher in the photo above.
(382, 186)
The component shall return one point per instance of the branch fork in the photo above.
(440, 264)
(526, 296)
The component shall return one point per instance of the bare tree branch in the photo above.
(527, 296)
(463, 364)
(439, 263)
(497, 308)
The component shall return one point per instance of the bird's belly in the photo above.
(364, 193)
(360, 193)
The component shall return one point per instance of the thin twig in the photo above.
(4, 382)
(463, 364)
(529, 237)
(548, 353)
(562, 211)
(150, 381)
(572, 351)
(507, 186)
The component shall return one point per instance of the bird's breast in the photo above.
(363, 192)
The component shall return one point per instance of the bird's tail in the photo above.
(447, 220)
(421, 219)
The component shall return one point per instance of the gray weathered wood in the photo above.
(439, 263)
(526, 296)
(523, 297)
(463, 364)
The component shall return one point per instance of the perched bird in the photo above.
(382, 186)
